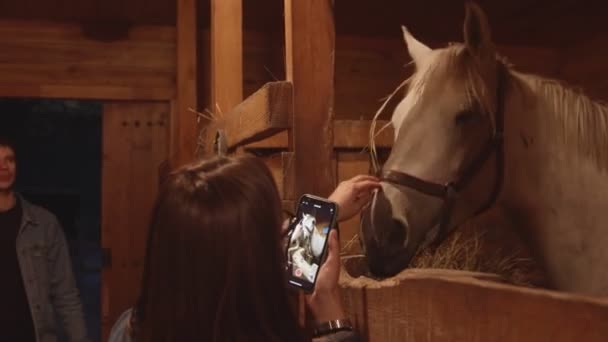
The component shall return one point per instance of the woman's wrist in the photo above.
(326, 306)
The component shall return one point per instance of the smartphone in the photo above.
(307, 243)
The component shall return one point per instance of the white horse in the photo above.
(529, 145)
(307, 236)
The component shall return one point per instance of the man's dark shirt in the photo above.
(15, 315)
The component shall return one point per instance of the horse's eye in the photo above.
(464, 117)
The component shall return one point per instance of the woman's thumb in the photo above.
(334, 245)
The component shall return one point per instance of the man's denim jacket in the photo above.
(47, 274)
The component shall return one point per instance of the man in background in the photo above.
(35, 267)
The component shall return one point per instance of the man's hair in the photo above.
(7, 140)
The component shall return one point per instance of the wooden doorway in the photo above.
(135, 142)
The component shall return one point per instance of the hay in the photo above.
(468, 251)
(488, 243)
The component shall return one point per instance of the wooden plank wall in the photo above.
(135, 142)
(584, 65)
(309, 60)
(183, 120)
(226, 55)
(459, 306)
(51, 60)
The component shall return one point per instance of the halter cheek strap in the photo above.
(449, 192)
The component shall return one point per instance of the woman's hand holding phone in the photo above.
(325, 302)
(350, 196)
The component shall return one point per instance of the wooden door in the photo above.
(135, 143)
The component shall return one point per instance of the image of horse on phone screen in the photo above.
(306, 245)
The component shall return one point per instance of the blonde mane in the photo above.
(449, 60)
(453, 61)
(583, 122)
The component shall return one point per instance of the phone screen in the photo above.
(308, 241)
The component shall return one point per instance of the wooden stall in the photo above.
(291, 81)
(333, 85)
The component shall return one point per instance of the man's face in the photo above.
(8, 168)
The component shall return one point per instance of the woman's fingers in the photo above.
(366, 186)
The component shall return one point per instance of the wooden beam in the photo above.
(226, 61)
(354, 134)
(92, 92)
(184, 123)
(348, 134)
(56, 60)
(309, 64)
(263, 114)
(279, 141)
(281, 166)
(447, 305)
(309, 51)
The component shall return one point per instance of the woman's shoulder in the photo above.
(340, 336)
(121, 330)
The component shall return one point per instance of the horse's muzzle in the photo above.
(384, 239)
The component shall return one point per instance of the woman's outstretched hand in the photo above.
(353, 194)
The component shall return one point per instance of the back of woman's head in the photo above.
(214, 269)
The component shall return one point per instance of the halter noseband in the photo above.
(449, 191)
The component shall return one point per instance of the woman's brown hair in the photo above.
(214, 267)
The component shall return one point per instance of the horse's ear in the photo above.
(477, 35)
(417, 50)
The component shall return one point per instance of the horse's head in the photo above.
(309, 222)
(444, 133)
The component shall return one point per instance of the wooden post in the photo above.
(226, 61)
(184, 128)
(309, 65)
(309, 53)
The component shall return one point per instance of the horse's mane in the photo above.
(583, 122)
(449, 60)
(455, 59)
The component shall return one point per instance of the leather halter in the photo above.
(449, 192)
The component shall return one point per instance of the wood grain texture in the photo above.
(184, 120)
(225, 69)
(86, 92)
(226, 55)
(263, 114)
(458, 306)
(135, 140)
(354, 134)
(348, 134)
(57, 60)
(281, 166)
(310, 48)
(517, 22)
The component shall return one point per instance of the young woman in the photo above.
(215, 268)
